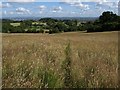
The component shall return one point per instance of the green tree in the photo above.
(6, 27)
(27, 22)
(108, 17)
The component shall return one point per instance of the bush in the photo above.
(111, 26)
(94, 28)
(54, 30)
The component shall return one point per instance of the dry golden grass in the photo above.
(36, 60)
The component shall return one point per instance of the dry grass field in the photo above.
(75, 59)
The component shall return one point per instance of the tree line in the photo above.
(108, 21)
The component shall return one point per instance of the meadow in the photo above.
(15, 24)
(63, 60)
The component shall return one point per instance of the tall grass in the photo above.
(68, 82)
(46, 61)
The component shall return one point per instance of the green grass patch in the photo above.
(15, 24)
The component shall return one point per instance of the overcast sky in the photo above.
(56, 8)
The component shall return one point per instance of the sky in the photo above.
(56, 8)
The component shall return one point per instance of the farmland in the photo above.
(62, 60)
(15, 24)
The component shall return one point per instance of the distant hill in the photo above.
(59, 18)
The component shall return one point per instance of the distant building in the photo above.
(119, 8)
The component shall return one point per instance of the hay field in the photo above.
(66, 60)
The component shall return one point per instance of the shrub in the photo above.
(111, 26)
(94, 28)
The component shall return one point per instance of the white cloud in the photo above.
(8, 13)
(76, 3)
(22, 10)
(98, 0)
(20, 13)
(110, 5)
(57, 9)
(11, 13)
(89, 0)
(80, 5)
(21, 0)
(71, 1)
(42, 7)
(0, 13)
(6, 5)
(0, 4)
(40, 12)
(68, 1)
(54, 11)
(73, 12)
(4, 12)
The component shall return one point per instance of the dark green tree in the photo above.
(108, 17)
